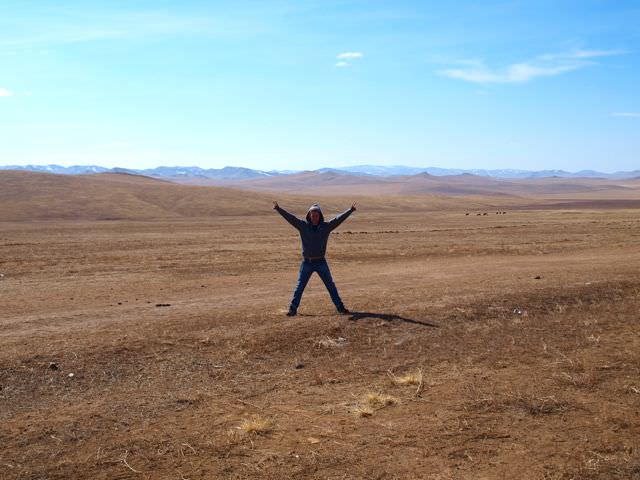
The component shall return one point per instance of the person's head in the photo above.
(314, 215)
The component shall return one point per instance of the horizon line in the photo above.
(294, 170)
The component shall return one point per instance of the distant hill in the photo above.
(115, 196)
(226, 173)
(338, 183)
(29, 196)
(241, 173)
(504, 173)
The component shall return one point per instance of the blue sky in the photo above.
(311, 83)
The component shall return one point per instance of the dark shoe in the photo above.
(292, 312)
(342, 310)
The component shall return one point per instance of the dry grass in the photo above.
(363, 411)
(372, 402)
(588, 380)
(83, 295)
(411, 378)
(380, 400)
(536, 405)
(531, 403)
(256, 425)
(328, 342)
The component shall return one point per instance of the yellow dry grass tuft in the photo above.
(363, 411)
(373, 401)
(256, 425)
(379, 400)
(411, 378)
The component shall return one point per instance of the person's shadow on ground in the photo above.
(389, 317)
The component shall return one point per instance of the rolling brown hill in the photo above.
(42, 196)
(28, 196)
(425, 184)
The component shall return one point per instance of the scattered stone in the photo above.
(53, 366)
(71, 375)
(163, 304)
(518, 311)
(313, 440)
(299, 366)
(538, 277)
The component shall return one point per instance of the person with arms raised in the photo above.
(314, 234)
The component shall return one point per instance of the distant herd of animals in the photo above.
(485, 213)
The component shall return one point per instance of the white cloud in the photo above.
(547, 65)
(626, 114)
(597, 53)
(349, 55)
(78, 26)
(5, 93)
(343, 64)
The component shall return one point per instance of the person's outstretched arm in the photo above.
(334, 223)
(292, 219)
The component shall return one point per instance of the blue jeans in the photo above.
(307, 267)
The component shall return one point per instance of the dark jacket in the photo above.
(314, 237)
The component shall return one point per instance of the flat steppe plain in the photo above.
(144, 349)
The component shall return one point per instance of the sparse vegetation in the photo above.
(363, 410)
(410, 378)
(207, 388)
(256, 425)
(373, 401)
(379, 400)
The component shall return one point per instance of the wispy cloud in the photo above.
(67, 27)
(5, 93)
(349, 55)
(626, 114)
(345, 58)
(547, 65)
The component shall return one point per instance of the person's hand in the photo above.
(275, 204)
(353, 207)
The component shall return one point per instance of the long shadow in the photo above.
(389, 317)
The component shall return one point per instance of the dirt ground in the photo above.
(149, 350)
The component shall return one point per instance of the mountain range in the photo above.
(241, 173)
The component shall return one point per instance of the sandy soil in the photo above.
(146, 349)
